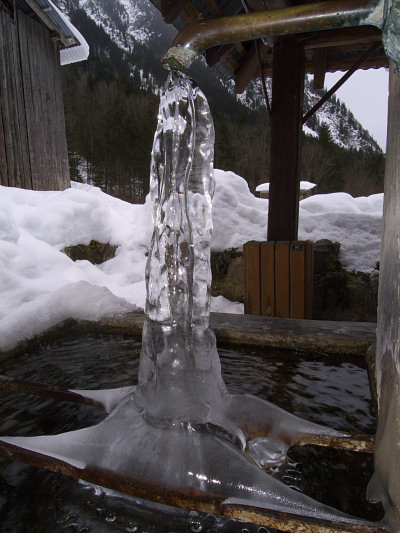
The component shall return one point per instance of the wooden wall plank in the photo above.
(3, 111)
(297, 279)
(309, 279)
(40, 138)
(3, 157)
(267, 257)
(62, 179)
(33, 137)
(282, 279)
(13, 95)
(6, 102)
(251, 269)
(20, 118)
(26, 91)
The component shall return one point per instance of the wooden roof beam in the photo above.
(342, 80)
(343, 36)
(319, 64)
(334, 64)
(249, 67)
(41, 14)
(171, 9)
(214, 54)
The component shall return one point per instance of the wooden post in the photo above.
(287, 101)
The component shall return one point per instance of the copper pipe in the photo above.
(205, 33)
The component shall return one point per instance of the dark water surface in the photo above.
(320, 389)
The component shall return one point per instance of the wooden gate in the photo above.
(278, 278)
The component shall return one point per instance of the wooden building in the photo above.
(33, 148)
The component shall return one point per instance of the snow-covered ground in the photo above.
(40, 286)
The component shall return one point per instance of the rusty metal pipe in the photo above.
(205, 33)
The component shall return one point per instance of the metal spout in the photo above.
(205, 33)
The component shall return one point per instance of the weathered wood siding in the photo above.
(33, 148)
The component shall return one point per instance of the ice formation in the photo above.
(180, 427)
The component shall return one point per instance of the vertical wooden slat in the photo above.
(20, 119)
(319, 64)
(297, 279)
(25, 40)
(3, 152)
(6, 100)
(3, 157)
(282, 279)
(63, 178)
(13, 95)
(309, 279)
(251, 268)
(47, 63)
(17, 124)
(267, 255)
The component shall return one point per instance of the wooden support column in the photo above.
(287, 100)
(385, 483)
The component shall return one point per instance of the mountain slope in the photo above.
(127, 39)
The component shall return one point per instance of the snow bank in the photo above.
(238, 216)
(354, 222)
(40, 285)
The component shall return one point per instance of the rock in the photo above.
(338, 293)
(227, 274)
(95, 252)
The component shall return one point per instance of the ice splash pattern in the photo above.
(180, 427)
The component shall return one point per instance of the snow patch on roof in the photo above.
(75, 53)
(304, 186)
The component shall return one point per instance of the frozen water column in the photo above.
(385, 484)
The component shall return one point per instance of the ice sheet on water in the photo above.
(176, 456)
(109, 398)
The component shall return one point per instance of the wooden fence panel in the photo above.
(278, 278)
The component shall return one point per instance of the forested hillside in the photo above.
(111, 105)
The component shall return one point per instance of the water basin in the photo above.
(328, 391)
